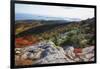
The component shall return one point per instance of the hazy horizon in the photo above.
(54, 11)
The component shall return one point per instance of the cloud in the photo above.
(55, 11)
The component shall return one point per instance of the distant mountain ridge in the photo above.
(44, 26)
(19, 16)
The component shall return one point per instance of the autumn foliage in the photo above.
(78, 50)
(25, 41)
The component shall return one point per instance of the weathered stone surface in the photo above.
(52, 54)
(46, 53)
(87, 54)
(88, 50)
(70, 52)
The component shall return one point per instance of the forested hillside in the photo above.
(78, 34)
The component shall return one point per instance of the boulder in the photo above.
(69, 50)
(46, 52)
(88, 50)
(52, 54)
(87, 54)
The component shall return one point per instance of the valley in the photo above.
(71, 40)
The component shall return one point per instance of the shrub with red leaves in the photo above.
(77, 51)
(25, 41)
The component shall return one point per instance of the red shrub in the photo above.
(78, 50)
(25, 41)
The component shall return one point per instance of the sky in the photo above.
(55, 11)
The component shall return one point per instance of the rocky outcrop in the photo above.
(88, 54)
(46, 53)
